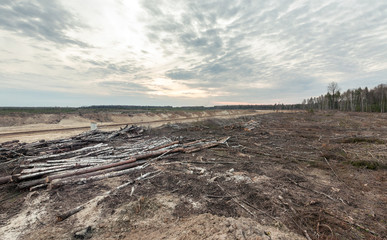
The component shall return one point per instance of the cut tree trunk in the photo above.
(98, 168)
(195, 149)
(37, 174)
(165, 145)
(99, 175)
(67, 214)
(31, 183)
(6, 179)
(88, 170)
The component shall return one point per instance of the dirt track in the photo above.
(38, 130)
(104, 126)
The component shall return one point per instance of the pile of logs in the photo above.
(90, 156)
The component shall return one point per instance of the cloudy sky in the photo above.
(179, 53)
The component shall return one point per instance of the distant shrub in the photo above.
(372, 165)
(363, 140)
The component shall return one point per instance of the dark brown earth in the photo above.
(318, 175)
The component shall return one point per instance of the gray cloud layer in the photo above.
(43, 20)
(226, 50)
(290, 44)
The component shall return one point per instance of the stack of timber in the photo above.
(14, 149)
(89, 156)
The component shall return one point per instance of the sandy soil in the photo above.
(151, 218)
(19, 123)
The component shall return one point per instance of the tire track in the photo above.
(176, 120)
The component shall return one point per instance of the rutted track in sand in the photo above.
(42, 133)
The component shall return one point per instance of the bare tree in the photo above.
(359, 100)
(333, 88)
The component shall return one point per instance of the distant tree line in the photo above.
(125, 107)
(359, 100)
(356, 100)
(220, 107)
(261, 107)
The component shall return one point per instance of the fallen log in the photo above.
(157, 153)
(67, 214)
(38, 186)
(98, 175)
(122, 131)
(61, 167)
(75, 160)
(31, 183)
(66, 154)
(36, 165)
(98, 151)
(195, 149)
(224, 140)
(164, 145)
(192, 143)
(37, 174)
(6, 179)
(94, 176)
(88, 170)
(98, 168)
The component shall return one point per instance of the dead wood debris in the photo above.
(292, 171)
(90, 156)
(250, 125)
(98, 199)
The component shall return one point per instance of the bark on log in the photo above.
(122, 131)
(33, 175)
(66, 154)
(88, 170)
(164, 145)
(31, 183)
(157, 153)
(98, 151)
(191, 143)
(224, 140)
(38, 186)
(98, 168)
(195, 149)
(95, 176)
(61, 167)
(123, 164)
(67, 214)
(75, 160)
(36, 165)
(6, 179)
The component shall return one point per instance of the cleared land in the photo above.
(278, 176)
(29, 127)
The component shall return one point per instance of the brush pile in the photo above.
(93, 155)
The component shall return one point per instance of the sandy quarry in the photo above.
(19, 123)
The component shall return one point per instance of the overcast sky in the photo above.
(179, 53)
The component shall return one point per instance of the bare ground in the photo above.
(34, 127)
(280, 176)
